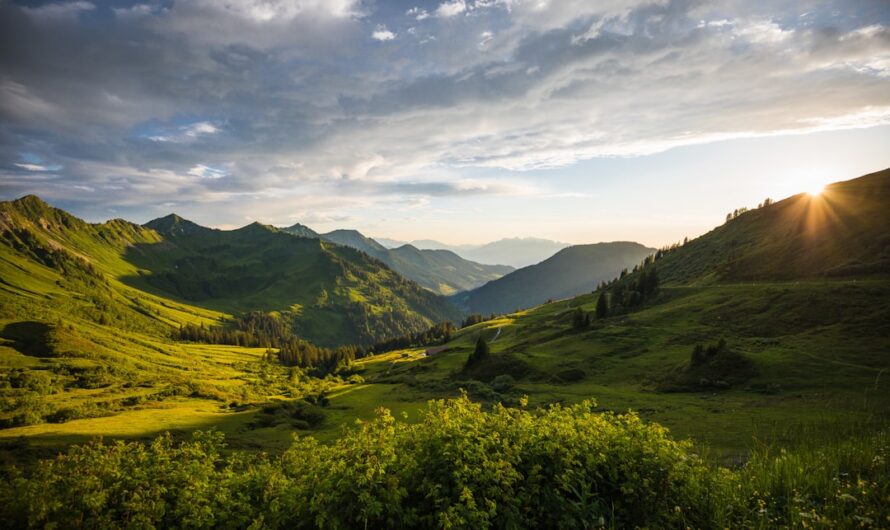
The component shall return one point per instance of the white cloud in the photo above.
(59, 11)
(206, 172)
(450, 9)
(382, 34)
(418, 13)
(198, 128)
(186, 133)
(34, 167)
(132, 12)
(762, 32)
(484, 38)
(545, 15)
(283, 10)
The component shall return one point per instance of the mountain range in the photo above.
(441, 271)
(571, 271)
(516, 252)
(333, 294)
(797, 292)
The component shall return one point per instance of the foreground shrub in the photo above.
(459, 467)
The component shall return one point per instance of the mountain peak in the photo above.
(257, 226)
(31, 200)
(301, 230)
(173, 224)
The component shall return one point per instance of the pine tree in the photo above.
(602, 307)
(579, 319)
(481, 352)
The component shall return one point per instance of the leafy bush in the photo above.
(459, 467)
(502, 383)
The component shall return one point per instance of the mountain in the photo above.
(334, 295)
(569, 272)
(432, 244)
(517, 252)
(389, 243)
(301, 230)
(354, 239)
(788, 307)
(840, 232)
(440, 271)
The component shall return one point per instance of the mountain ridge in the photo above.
(571, 271)
(442, 273)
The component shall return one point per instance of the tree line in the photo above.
(264, 330)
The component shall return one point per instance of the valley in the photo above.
(98, 324)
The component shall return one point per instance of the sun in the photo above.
(815, 189)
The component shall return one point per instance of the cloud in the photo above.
(307, 116)
(58, 11)
(206, 172)
(382, 34)
(184, 133)
(277, 10)
(134, 11)
(451, 8)
(418, 13)
(37, 167)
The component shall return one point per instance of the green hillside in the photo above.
(841, 232)
(335, 294)
(569, 272)
(440, 271)
(723, 351)
(88, 313)
(730, 362)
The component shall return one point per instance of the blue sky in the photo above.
(464, 121)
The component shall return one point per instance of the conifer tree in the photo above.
(602, 307)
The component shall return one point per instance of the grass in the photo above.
(818, 356)
(818, 348)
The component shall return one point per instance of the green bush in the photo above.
(459, 467)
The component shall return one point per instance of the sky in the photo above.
(464, 121)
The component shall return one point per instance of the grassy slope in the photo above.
(571, 271)
(819, 359)
(342, 296)
(80, 339)
(841, 232)
(799, 288)
(820, 346)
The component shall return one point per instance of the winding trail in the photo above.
(498, 334)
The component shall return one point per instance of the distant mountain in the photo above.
(354, 239)
(432, 244)
(571, 271)
(440, 271)
(390, 243)
(518, 252)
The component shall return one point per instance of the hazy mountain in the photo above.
(571, 271)
(354, 239)
(440, 271)
(389, 243)
(518, 252)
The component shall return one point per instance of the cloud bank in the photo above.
(314, 107)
